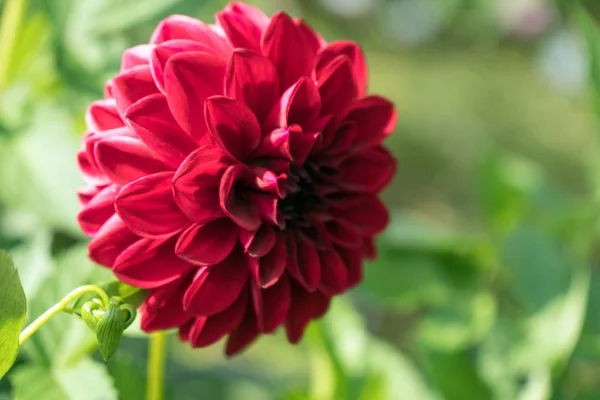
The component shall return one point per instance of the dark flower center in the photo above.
(301, 196)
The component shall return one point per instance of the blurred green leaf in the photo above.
(462, 322)
(421, 264)
(37, 170)
(505, 184)
(520, 347)
(13, 308)
(455, 375)
(401, 380)
(365, 368)
(85, 379)
(536, 267)
(538, 386)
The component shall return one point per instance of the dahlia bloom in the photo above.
(233, 171)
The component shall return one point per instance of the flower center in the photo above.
(301, 196)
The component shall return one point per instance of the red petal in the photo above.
(232, 126)
(258, 243)
(275, 144)
(125, 159)
(215, 288)
(207, 244)
(337, 87)
(370, 216)
(303, 104)
(356, 56)
(233, 202)
(344, 233)
(286, 45)
(369, 250)
(375, 118)
(305, 267)
(271, 305)
(314, 40)
(342, 138)
(92, 175)
(243, 25)
(252, 79)
(98, 210)
(353, 261)
(245, 334)
(272, 265)
(184, 330)
(208, 330)
(137, 55)
(131, 85)
(268, 181)
(90, 166)
(151, 119)
(184, 27)
(301, 144)
(190, 78)
(163, 308)
(103, 115)
(86, 193)
(110, 241)
(162, 53)
(148, 208)
(369, 171)
(196, 184)
(150, 263)
(334, 277)
(266, 205)
(305, 306)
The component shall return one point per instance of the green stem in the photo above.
(323, 383)
(10, 23)
(156, 366)
(59, 307)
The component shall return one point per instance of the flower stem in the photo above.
(156, 366)
(59, 307)
(323, 383)
(9, 27)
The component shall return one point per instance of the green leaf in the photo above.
(85, 379)
(517, 348)
(505, 183)
(536, 268)
(410, 273)
(459, 323)
(13, 309)
(456, 375)
(42, 156)
(364, 367)
(399, 378)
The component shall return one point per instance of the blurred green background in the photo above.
(487, 284)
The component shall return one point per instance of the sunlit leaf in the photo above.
(13, 308)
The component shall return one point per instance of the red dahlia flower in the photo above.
(233, 171)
